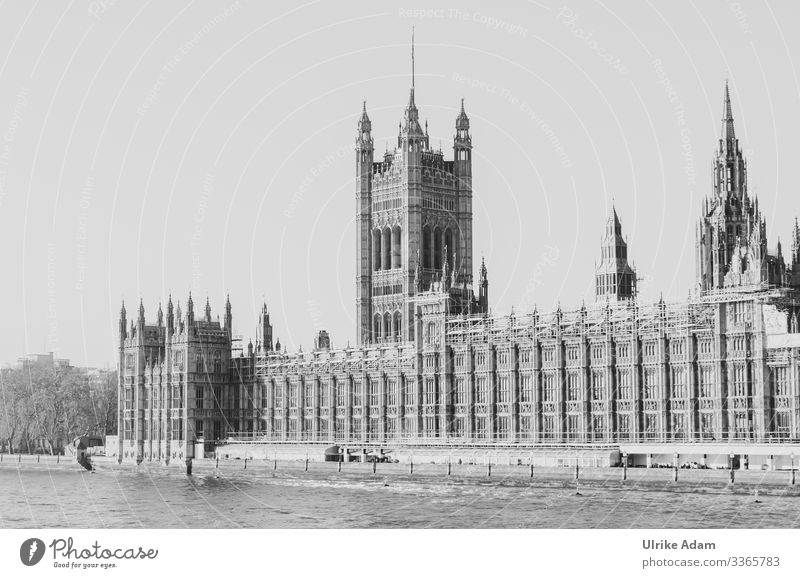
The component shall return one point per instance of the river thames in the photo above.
(144, 498)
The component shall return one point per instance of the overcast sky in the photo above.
(149, 148)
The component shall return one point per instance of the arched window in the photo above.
(398, 326)
(217, 362)
(376, 250)
(427, 248)
(386, 246)
(397, 251)
(458, 258)
(387, 326)
(377, 327)
(448, 242)
(437, 248)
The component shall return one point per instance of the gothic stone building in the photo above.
(433, 367)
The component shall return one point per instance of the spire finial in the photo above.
(728, 133)
(412, 60)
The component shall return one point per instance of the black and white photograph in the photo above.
(364, 288)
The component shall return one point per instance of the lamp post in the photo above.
(675, 465)
(732, 456)
(792, 457)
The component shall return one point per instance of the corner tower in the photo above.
(414, 220)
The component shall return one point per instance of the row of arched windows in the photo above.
(387, 327)
(387, 250)
(434, 242)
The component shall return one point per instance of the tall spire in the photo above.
(613, 226)
(411, 126)
(412, 64)
(728, 133)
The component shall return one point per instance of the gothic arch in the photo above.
(376, 250)
(387, 326)
(397, 251)
(398, 326)
(437, 248)
(448, 242)
(427, 248)
(386, 246)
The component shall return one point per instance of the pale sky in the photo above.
(149, 148)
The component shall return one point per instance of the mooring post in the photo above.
(275, 463)
(577, 469)
(306, 463)
(374, 466)
(19, 458)
(411, 468)
(245, 463)
(676, 472)
(448, 468)
(531, 469)
(58, 458)
(38, 456)
(340, 465)
(489, 472)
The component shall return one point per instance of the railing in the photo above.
(456, 440)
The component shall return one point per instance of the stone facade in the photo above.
(432, 367)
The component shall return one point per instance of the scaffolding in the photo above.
(615, 319)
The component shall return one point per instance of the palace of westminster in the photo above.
(433, 367)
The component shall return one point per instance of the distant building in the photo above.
(42, 360)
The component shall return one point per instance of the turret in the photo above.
(140, 320)
(483, 289)
(364, 159)
(190, 310)
(796, 243)
(462, 146)
(160, 317)
(446, 276)
(170, 317)
(208, 311)
(265, 329)
(228, 316)
(123, 323)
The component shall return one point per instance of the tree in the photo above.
(44, 407)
